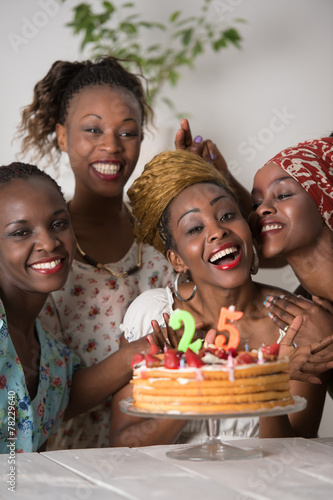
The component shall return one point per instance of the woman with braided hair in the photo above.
(41, 379)
(94, 112)
(193, 217)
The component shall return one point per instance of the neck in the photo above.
(22, 310)
(244, 298)
(86, 208)
(314, 267)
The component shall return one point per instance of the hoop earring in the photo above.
(255, 263)
(179, 297)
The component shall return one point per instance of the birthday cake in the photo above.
(211, 381)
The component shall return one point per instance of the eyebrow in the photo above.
(91, 114)
(24, 221)
(274, 182)
(100, 117)
(196, 210)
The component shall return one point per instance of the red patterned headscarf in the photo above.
(310, 163)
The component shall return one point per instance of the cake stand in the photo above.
(213, 448)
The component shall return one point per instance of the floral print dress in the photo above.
(86, 315)
(25, 422)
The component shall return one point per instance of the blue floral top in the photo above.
(26, 424)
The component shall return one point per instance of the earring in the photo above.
(255, 263)
(179, 297)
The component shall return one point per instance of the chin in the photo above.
(270, 253)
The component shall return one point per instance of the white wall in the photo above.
(236, 97)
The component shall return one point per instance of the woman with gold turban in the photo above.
(185, 208)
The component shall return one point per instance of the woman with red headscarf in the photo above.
(293, 218)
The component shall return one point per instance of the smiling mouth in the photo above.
(107, 168)
(46, 265)
(270, 227)
(225, 256)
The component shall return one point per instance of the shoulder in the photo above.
(152, 299)
(150, 253)
(265, 290)
(149, 305)
(57, 350)
(156, 270)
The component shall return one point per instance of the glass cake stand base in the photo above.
(213, 448)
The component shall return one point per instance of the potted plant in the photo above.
(118, 30)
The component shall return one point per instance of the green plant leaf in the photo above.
(173, 77)
(174, 16)
(233, 36)
(152, 48)
(152, 25)
(108, 28)
(109, 6)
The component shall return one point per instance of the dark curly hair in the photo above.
(52, 96)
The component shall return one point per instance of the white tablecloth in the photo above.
(290, 469)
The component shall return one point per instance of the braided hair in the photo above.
(53, 94)
(162, 179)
(18, 170)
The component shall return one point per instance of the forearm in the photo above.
(149, 432)
(300, 424)
(275, 427)
(242, 193)
(92, 385)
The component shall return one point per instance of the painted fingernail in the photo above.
(198, 139)
(213, 156)
(267, 301)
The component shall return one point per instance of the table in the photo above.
(290, 469)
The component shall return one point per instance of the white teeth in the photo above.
(269, 227)
(223, 253)
(47, 265)
(107, 168)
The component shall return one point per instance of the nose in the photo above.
(266, 208)
(47, 241)
(217, 231)
(110, 142)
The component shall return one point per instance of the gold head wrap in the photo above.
(162, 179)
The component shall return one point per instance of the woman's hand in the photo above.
(317, 322)
(169, 338)
(206, 149)
(165, 336)
(210, 337)
(305, 363)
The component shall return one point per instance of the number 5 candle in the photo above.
(234, 336)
